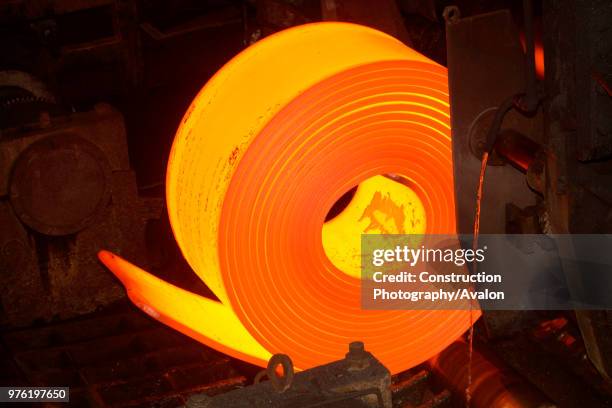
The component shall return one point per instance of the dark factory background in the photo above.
(107, 82)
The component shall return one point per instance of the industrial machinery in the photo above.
(357, 381)
(62, 177)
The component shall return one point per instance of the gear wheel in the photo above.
(22, 100)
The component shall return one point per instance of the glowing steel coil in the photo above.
(266, 148)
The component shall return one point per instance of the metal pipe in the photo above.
(498, 119)
(494, 385)
(517, 149)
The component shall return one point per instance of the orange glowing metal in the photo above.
(266, 148)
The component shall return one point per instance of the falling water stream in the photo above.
(483, 168)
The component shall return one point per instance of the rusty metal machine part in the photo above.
(60, 184)
(517, 149)
(27, 82)
(359, 380)
(65, 190)
(280, 383)
(578, 187)
(25, 102)
(510, 147)
(485, 66)
(565, 152)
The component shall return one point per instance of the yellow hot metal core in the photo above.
(380, 206)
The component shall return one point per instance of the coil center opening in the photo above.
(383, 204)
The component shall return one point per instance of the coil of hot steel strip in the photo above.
(266, 148)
